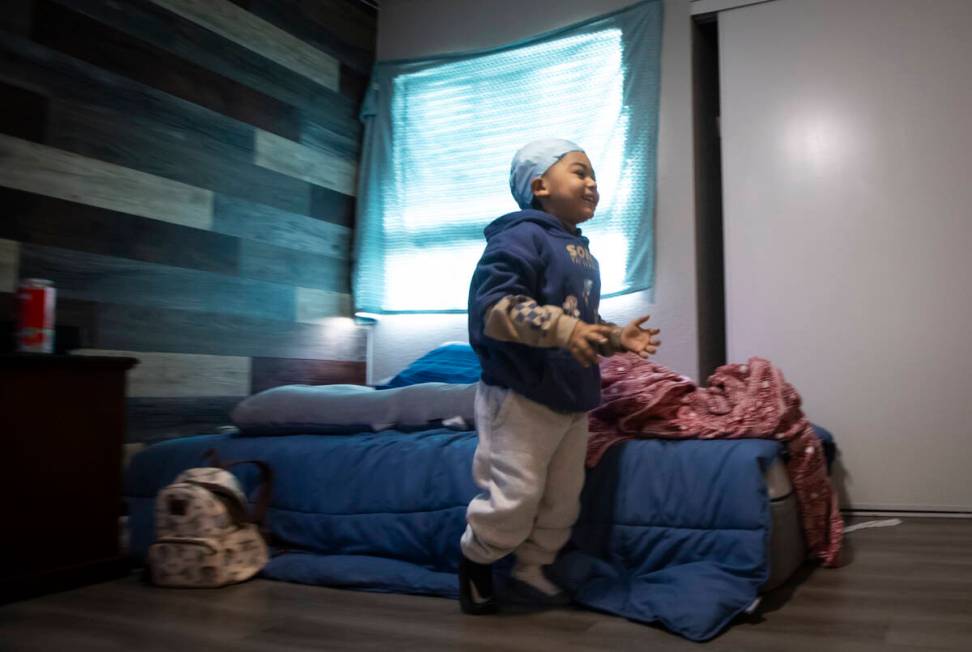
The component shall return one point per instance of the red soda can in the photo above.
(35, 331)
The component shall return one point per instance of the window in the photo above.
(436, 165)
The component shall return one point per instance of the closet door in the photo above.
(847, 181)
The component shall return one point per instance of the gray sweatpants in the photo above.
(529, 464)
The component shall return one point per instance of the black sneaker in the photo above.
(476, 588)
(522, 593)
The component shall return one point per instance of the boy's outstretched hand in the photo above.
(584, 342)
(640, 340)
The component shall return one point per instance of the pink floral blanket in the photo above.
(643, 399)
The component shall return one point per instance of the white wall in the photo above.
(847, 155)
(413, 28)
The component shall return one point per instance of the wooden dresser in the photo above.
(62, 424)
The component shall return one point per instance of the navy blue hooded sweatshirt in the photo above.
(531, 253)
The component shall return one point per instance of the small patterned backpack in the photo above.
(204, 535)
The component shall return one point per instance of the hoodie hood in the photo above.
(549, 222)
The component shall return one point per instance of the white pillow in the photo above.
(344, 409)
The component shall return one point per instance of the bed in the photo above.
(684, 533)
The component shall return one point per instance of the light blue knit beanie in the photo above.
(531, 161)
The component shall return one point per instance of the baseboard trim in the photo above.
(906, 513)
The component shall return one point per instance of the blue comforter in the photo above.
(674, 532)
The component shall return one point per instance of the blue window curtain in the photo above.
(440, 134)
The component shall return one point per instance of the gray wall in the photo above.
(412, 28)
(846, 159)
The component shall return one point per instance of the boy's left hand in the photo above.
(640, 340)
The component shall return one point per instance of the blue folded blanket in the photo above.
(675, 532)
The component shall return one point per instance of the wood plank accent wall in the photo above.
(184, 171)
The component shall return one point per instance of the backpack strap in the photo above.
(262, 500)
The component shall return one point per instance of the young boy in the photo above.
(534, 323)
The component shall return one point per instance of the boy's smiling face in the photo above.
(568, 189)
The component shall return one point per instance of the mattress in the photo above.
(685, 533)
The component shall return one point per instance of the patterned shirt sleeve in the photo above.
(520, 319)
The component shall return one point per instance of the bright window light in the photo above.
(437, 163)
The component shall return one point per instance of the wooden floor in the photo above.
(905, 588)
